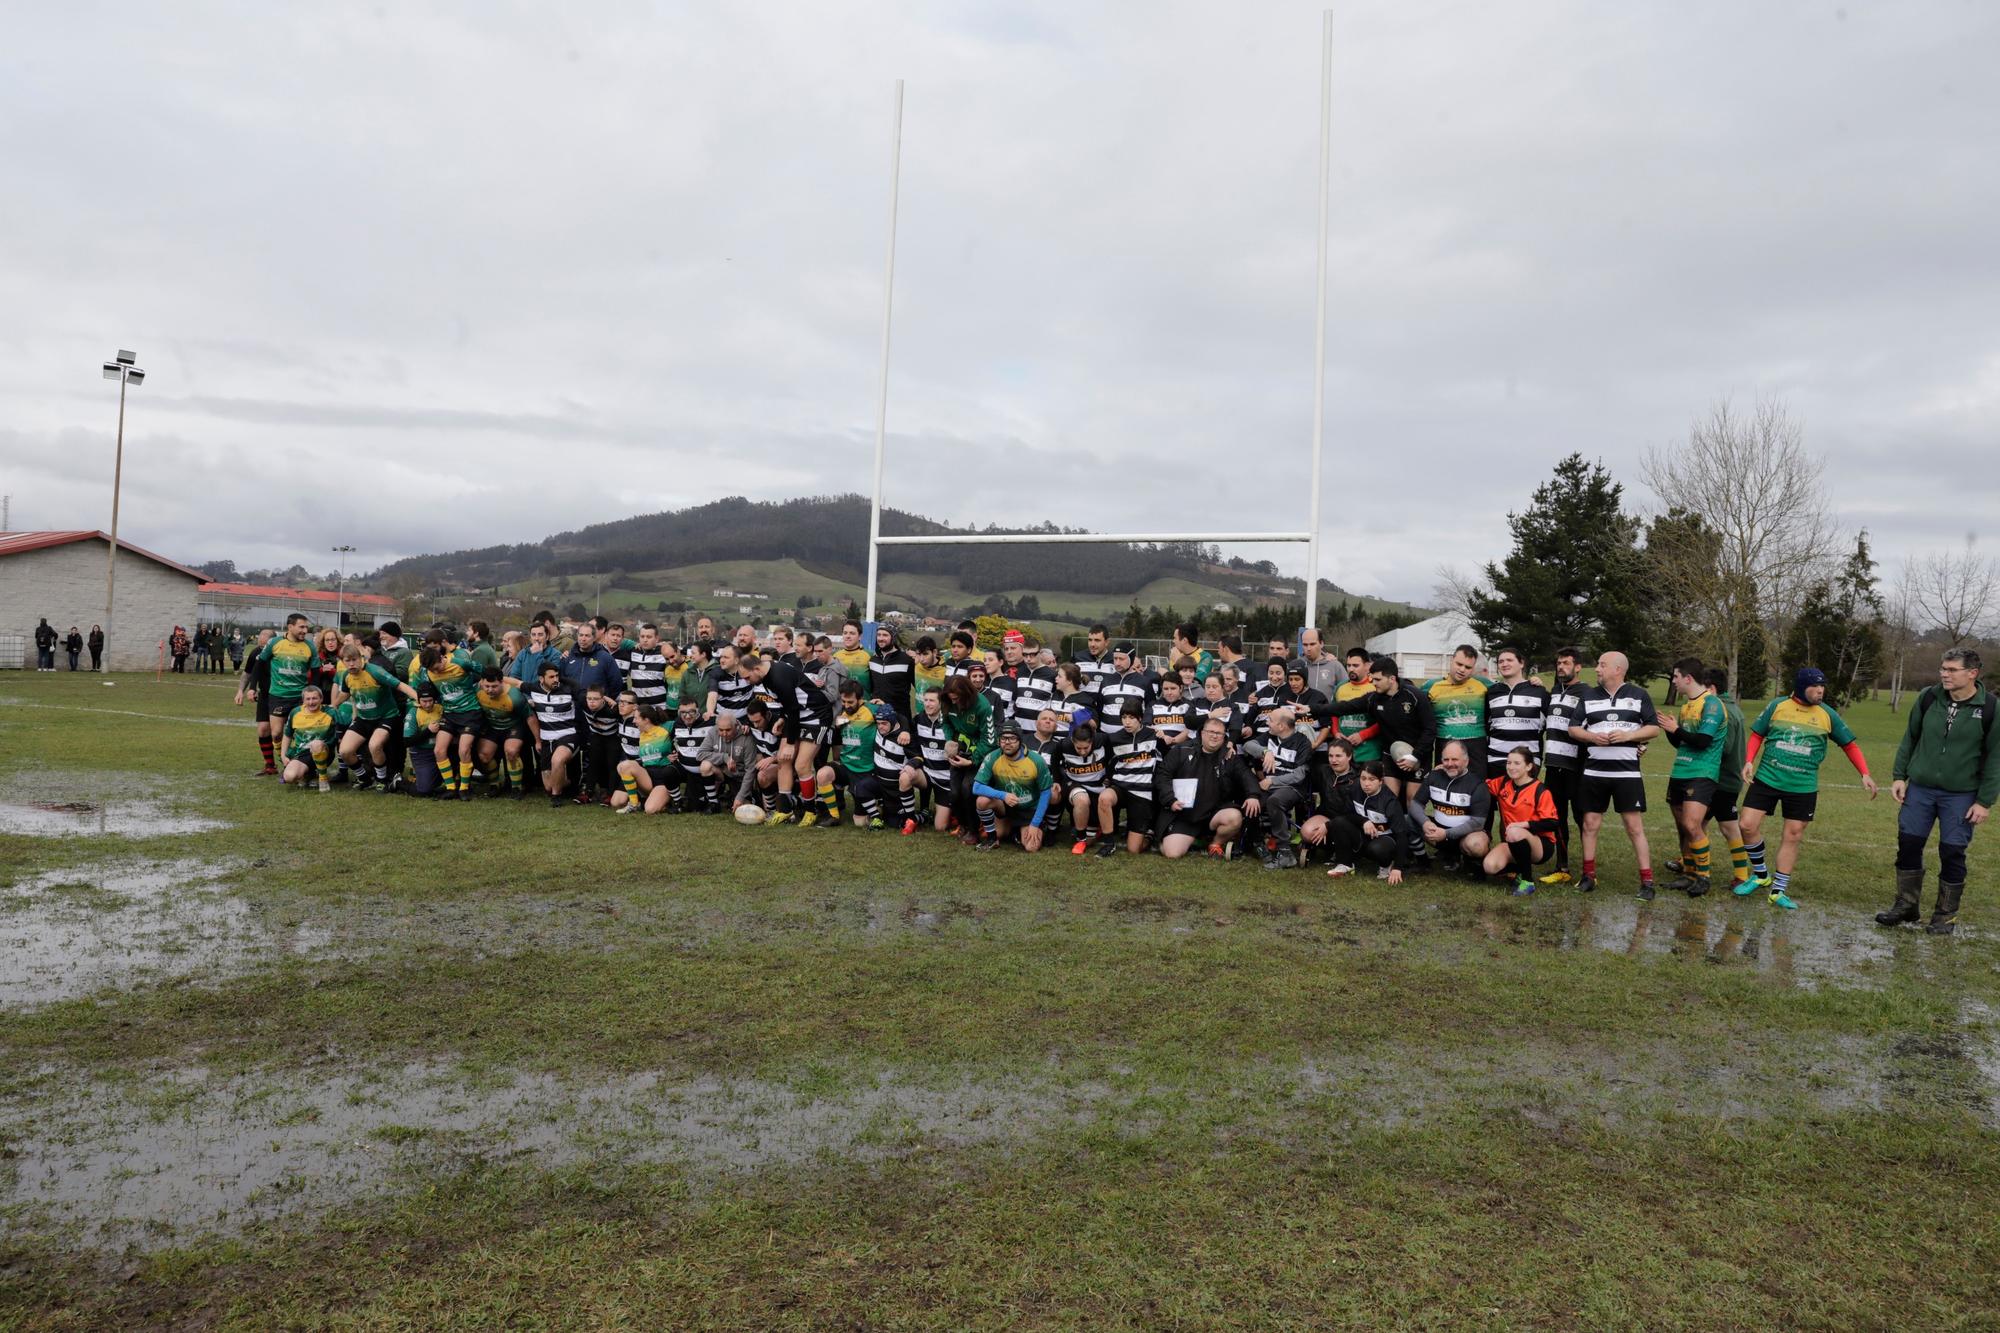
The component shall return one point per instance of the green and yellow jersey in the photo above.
(1702, 715)
(373, 693)
(507, 711)
(1795, 740)
(857, 740)
(1731, 776)
(304, 728)
(292, 661)
(420, 720)
(1025, 776)
(1352, 724)
(656, 747)
(924, 679)
(1461, 708)
(673, 676)
(853, 664)
(457, 682)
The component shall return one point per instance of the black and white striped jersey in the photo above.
(1133, 756)
(1515, 716)
(1565, 706)
(1087, 771)
(646, 675)
(1172, 723)
(733, 694)
(688, 740)
(555, 714)
(1614, 713)
(1122, 694)
(930, 740)
(891, 753)
(1032, 692)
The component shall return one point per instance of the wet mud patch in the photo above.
(71, 933)
(126, 818)
(193, 1155)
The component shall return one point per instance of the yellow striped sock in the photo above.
(1739, 860)
(631, 786)
(1698, 858)
(514, 770)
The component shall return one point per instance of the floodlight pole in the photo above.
(126, 371)
(1319, 316)
(882, 391)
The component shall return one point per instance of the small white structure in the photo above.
(1421, 650)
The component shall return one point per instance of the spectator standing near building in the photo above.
(45, 646)
(73, 646)
(1947, 775)
(95, 641)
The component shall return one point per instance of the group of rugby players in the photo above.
(1309, 759)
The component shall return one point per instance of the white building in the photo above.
(60, 576)
(254, 606)
(1422, 650)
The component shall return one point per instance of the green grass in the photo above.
(1242, 1098)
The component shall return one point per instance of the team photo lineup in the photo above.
(1295, 759)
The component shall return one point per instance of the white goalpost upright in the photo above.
(1309, 537)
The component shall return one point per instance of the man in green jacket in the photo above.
(1947, 774)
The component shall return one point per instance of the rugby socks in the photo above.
(1755, 852)
(1781, 881)
(514, 771)
(448, 775)
(808, 788)
(1590, 866)
(631, 781)
(1524, 862)
(382, 773)
(269, 751)
(988, 826)
(322, 761)
(1646, 875)
(831, 804)
(1697, 859)
(1739, 860)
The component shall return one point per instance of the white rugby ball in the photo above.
(1401, 750)
(749, 814)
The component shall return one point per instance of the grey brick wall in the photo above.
(66, 584)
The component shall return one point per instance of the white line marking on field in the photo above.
(126, 712)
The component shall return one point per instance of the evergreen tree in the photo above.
(1839, 629)
(1753, 671)
(1575, 575)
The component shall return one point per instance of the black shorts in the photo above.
(498, 735)
(1701, 791)
(1724, 809)
(662, 775)
(1138, 812)
(366, 728)
(1184, 827)
(816, 734)
(1798, 806)
(1626, 795)
(275, 709)
(464, 724)
(545, 753)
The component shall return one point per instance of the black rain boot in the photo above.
(1909, 900)
(1944, 914)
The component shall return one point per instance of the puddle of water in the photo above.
(216, 1155)
(76, 819)
(71, 933)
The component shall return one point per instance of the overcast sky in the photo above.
(417, 278)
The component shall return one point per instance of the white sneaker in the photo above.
(324, 785)
(1382, 872)
(1338, 871)
(630, 807)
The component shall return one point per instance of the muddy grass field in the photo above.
(273, 1059)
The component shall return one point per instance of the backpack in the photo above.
(1986, 712)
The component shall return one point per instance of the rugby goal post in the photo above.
(1309, 537)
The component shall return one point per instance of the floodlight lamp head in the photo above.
(135, 376)
(126, 358)
(112, 370)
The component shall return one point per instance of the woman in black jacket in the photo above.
(96, 642)
(73, 645)
(1374, 827)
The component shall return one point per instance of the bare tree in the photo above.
(1952, 592)
(1454, 591)
(1751, 482)
(1899, 634)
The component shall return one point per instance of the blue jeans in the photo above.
(1925, 806)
